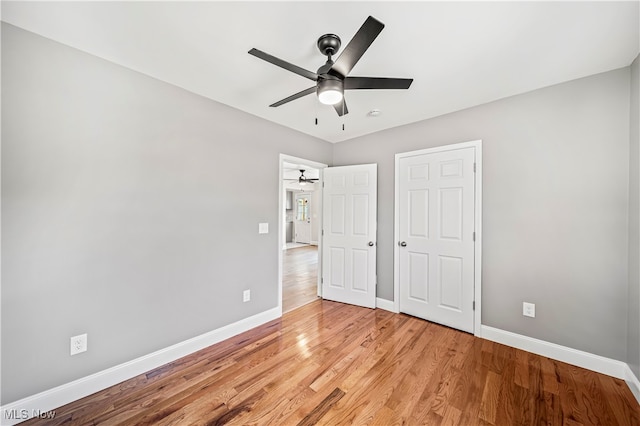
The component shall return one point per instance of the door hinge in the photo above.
(474, 235)
(322, 232)
(474, 305)
(322, 282)
(474, 167)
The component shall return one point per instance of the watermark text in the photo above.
(25, 414)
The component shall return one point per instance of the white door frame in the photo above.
(281, 200)
(477, 220)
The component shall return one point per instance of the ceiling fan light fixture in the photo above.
(330, 97)
(330, 91)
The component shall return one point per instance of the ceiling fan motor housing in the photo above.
(329, 44)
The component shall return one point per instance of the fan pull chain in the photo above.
(343, 104)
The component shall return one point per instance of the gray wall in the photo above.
(633, 351)
(123, 217)
(130, 211)
(555, 207)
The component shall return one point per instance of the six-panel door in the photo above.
(349, 240)
(436, 233)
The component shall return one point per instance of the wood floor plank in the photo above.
(451, 416)
(321, 409)
(549, 376)
(406, 394)
(299, 277)
(506, 409)
(490, 398)
(357, 386)
(470, 383)
(440, 358)
(522, 369)
(386, 380)
(336, 364)
(278, 394)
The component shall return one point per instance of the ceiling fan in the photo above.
(332, 78)
(303, 180)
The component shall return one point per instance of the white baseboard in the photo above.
(633, 383)
(385, 304)
(51, 399)
(600, 364)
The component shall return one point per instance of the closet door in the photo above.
(435, 230)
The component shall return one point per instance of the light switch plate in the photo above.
(263, 228)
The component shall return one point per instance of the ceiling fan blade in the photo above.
(352, 83)
(357, 46)
(305, 92)
(341, 108)
(284, 64)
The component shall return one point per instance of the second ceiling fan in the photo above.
(303, 180)
(332, 78)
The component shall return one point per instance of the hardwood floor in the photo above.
(299, 277)
(328, 363)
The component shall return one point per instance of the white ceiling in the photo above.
(460, 54)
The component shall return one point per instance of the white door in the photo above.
(436, 196)
(302, 222)
(349, 240)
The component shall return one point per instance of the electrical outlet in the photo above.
(246, 295)
(78, 344)
(529, 309)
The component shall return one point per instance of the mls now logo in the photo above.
(25, 414)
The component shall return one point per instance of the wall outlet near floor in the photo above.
(78, 344)
(246, 295)
(529, 309)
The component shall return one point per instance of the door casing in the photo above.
(477, 220)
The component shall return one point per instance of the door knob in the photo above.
(370, 243)
(402, 243)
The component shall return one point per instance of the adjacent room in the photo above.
(320, 212)
(301, 234)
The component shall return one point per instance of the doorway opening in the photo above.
(300, 225)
